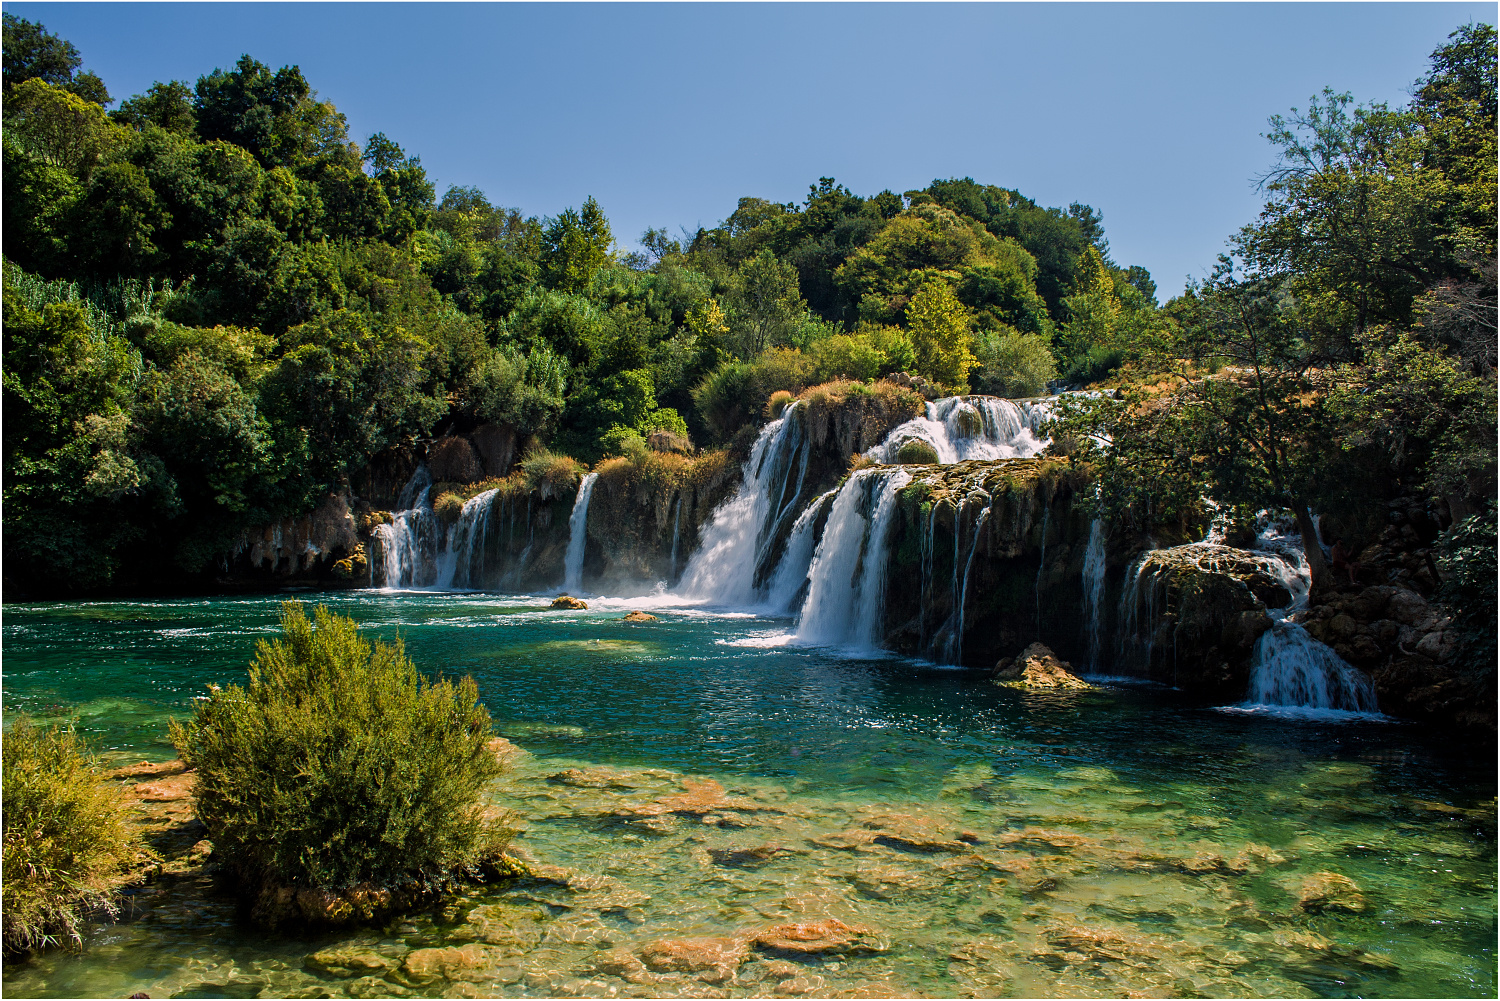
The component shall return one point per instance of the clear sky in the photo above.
(668, 113)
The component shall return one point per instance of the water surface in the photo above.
(993, 842)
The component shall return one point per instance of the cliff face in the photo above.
(987, 557)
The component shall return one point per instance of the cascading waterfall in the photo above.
(1289, 667)
(787, 583)
(578, 535)
(735, 540)
(1293, 669)
(1042, 567)
(1093, 591)
(408, 546)
(846, 581)
(676, 535)
(972, 427)
(957, 640)
(463, 565)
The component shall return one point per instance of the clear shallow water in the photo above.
(996, 842)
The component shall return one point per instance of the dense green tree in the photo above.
(32, 53)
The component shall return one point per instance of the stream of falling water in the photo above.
(578, 535)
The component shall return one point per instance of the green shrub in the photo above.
(663, 419)
(734, 395)
(550, 474)
(624, 442)
(918, 452)
(338, 764)
(67, 842)
(777, 403)
(447, 507)
(1013, 364)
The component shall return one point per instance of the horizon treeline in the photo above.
(218, 305)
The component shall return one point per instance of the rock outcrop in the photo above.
(568, 601)
(1037, 667)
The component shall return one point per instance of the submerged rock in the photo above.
(1037, 667)
(639, 616)
(827, 937)
(348, 961)
(718, 958)
(1328, 891)
(568, 601)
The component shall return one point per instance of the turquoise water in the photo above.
(994, 842)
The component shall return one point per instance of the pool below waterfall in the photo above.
(698, 777)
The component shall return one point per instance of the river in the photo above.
(704, 778)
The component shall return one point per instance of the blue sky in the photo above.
(667, 114)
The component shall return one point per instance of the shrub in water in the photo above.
(917, 451)
(448, 507)
(339, 765)
(67, 843)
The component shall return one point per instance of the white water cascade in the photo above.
(1093, 592)
(463, 564)
(1290, 668)
(578, 534)
(972, 427)
(408, 545)
(1293, 669)
(846, 581)
(723, 570)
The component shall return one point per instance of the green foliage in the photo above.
(551, 475)
(941, 335)
(68, 843)
(32, 53)
(1466, 555)
(916, 452)
(338, 763)
(735, 394)
(1013, 364)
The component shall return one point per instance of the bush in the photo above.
(735, 394)
(550, 474)
(777, 403)
(624, 442)
(917, 452)
(1013, 364)
(447, 507)
(68, 845)
(338, 764)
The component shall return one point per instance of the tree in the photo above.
(941, 335)
(166, 105)
(31, 53)
(575, 245)
(766, 301)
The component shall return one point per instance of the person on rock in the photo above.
(1341, 562)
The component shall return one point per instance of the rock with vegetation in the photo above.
(639, 616)
(340, 785)
(1037, 667)
(569, 602)
(69, 846)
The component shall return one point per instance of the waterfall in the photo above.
(1293, 669)
(407, 551)
(1042, 569)
(578, 535)
(972, 427)
(676, 535)
(957, 637)
(737, 538)
(468, 532)
(846, 580)
(1093, 591)
(791, 573)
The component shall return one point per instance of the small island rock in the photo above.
(1037, 667)
(639, 616)
(568, 601)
